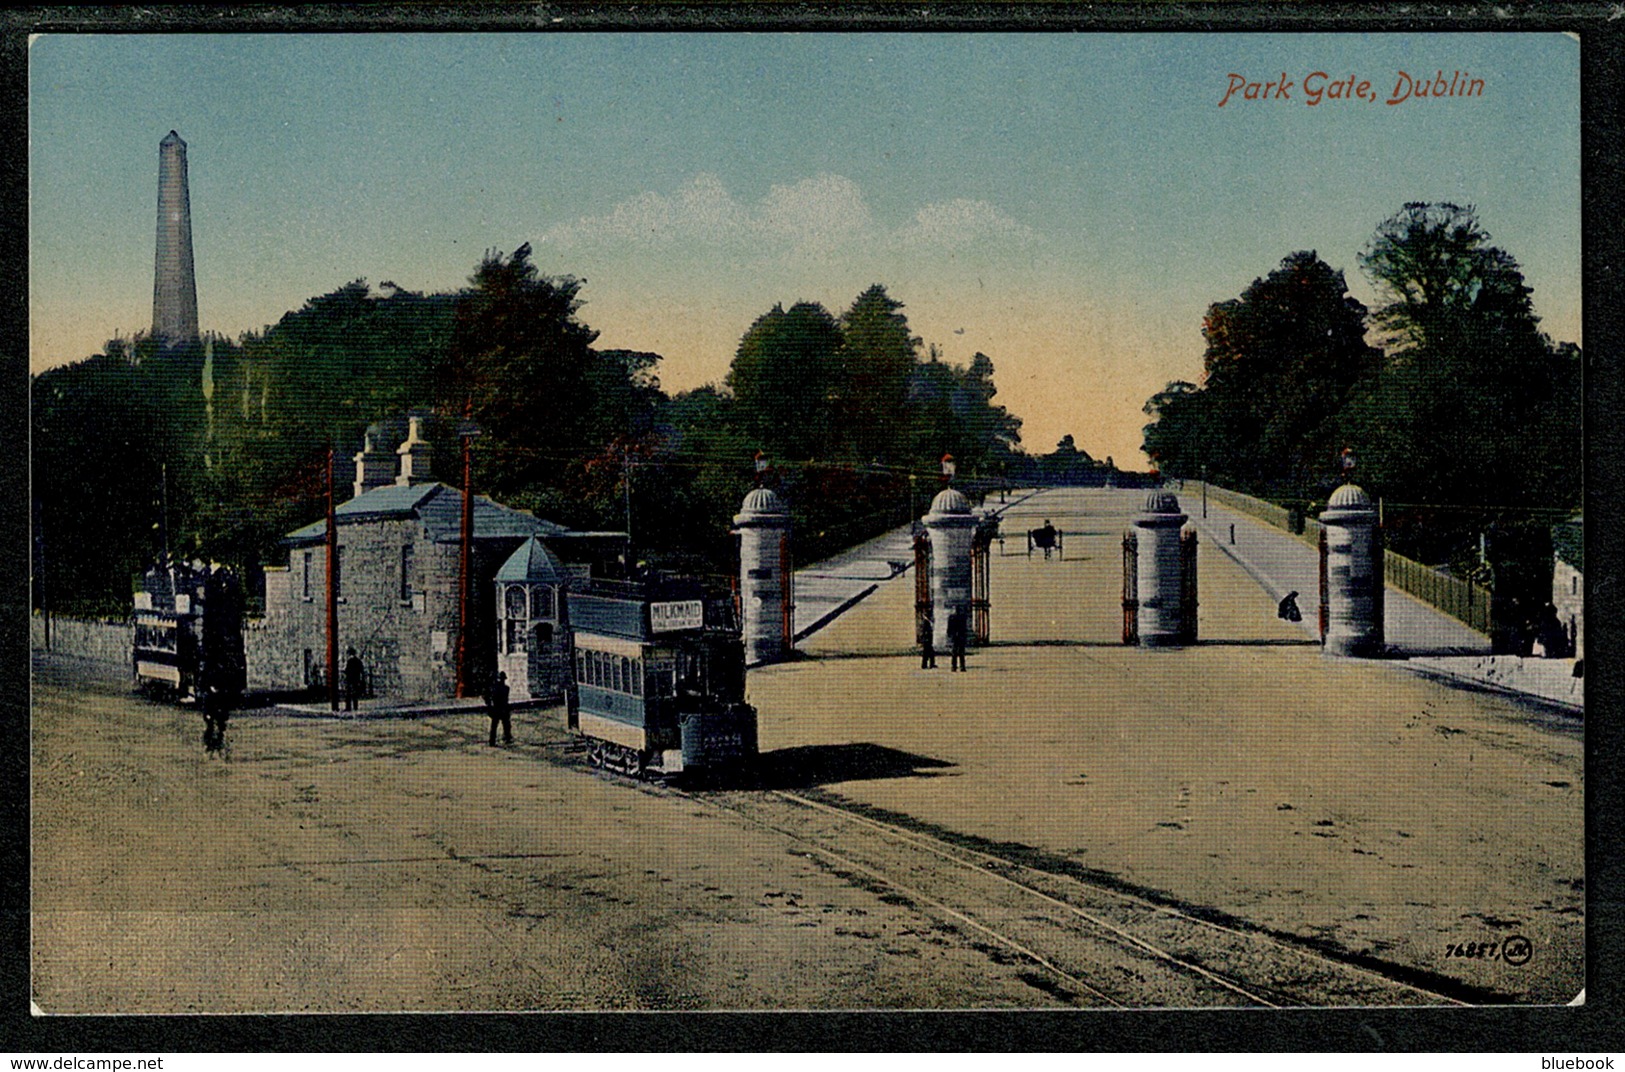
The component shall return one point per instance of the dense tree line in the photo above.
(217, 449)
(1466, 420)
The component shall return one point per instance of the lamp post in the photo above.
(332, 592)
(467, 431)
(1204, 492)
(626, 496)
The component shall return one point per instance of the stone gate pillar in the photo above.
(1160, 573)
(950, 525)
(1353, 600)
(763, 525)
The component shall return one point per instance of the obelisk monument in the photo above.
(174, 288)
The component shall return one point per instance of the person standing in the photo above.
(353, 673)
(496, 706)
(956, 639)
(928, 649)
(216, 710)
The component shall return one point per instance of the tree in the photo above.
(1282, 360)
(1475, 405)
(785, 379)
(521, 364)
(951, 410)
(877, 356)
(1447, 288)
(1181, 437)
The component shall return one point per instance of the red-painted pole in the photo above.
(462, 569)
(332, 592)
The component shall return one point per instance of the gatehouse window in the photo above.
(516, 601)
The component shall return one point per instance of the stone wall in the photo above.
(101, 641)
(1568, 596)
(406, 636)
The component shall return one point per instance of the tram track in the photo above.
(1094, 945)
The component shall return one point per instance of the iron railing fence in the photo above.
(1464, 600)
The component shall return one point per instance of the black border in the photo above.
(1592, 1028)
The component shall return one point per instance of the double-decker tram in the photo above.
(189, 632)
(659, 679)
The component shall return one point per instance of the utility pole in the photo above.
(467, 431)
(332, 592)
(163, 509)
(626, 485)
(39, 544)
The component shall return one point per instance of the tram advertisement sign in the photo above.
(671, 617)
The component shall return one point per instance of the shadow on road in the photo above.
(1257, 642)
(821, 764)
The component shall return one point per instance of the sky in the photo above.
(1069, 204)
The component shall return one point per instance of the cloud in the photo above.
(818, 216)
(951, 224)
(701, 210)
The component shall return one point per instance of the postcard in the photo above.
(806, 520)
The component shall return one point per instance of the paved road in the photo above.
(825, 590)
(1371, 821)
(1422, 639)
(1281, 563)
(1341, 802)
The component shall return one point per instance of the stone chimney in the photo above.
(416, 455)
(374, 468)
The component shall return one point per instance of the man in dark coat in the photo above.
(1288, 610)
(928, 650)
(353, 673)
(496, 706)
(956, 640)
(216, 710)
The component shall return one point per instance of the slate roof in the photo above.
(532, 564)
(438, 507)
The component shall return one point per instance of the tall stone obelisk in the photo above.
(174, 288)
